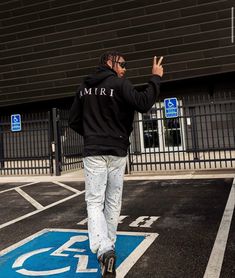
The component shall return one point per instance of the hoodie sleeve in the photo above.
(142, 101)
(75, 115)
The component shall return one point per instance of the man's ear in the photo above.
(109, 63)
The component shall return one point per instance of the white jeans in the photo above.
(104, 184)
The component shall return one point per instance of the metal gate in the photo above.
(28, 151)
(45, 145)
(202, 137)
(68, 145)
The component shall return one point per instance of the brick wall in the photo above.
(48, 46)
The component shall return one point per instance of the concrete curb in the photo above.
(78, 176)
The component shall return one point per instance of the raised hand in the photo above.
(157, 68)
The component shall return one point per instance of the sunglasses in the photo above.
(121, 64)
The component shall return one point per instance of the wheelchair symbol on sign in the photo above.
(170, 103)
(81, 265)
(16, 119)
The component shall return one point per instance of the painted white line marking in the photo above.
(217, 255)
(19, 262)
(29, 198)
(121, 218)
(128, 263)
(22, 242)
(66, 186)
(20, 186)
(83, 222)
(144, 221)
(38, 211)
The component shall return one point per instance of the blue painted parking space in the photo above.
(64, 253)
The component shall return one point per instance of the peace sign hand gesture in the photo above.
(157, 68)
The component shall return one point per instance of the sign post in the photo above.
(15, 122)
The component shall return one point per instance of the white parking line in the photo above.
(217, 255)
(20, 186)
(66, 186)
(29, 198)
(39, 210)
(130, 261)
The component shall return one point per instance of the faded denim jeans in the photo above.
(104, 184)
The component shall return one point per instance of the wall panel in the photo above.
(48, 46)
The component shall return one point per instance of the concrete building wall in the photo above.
(48, 46)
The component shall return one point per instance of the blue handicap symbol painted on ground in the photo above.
(65, 253)
(171, 107)
(15, 122)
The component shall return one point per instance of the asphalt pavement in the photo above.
(169, 228)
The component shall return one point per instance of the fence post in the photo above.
(128, 164)
(57, 142)
(1, 149)
(194, 133)
(50, 142)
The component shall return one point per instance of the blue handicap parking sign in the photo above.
(15, 122)
(65, 253)
(171, 107)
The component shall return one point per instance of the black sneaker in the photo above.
(107, 262)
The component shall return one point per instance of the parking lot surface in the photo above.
(168, 229)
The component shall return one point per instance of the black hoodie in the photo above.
(103, 110)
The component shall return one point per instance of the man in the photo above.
(103, 113)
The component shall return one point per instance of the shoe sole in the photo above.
(107, 269)
(110, 265)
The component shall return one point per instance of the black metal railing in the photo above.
(202, 137)
(68, 144)
(29, 150)
(45, 145)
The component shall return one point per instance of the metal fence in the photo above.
(202, 137)
(45, 145)
(27, 151)
(68, 144)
